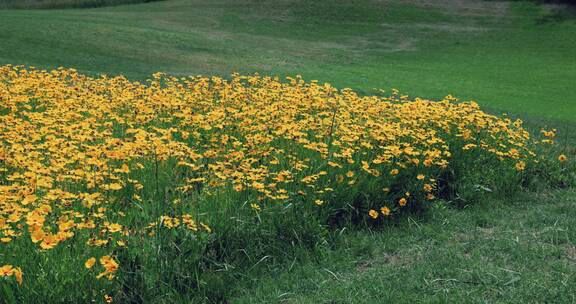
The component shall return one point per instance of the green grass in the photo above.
(48, 4)
(513, 251)
(504, 55)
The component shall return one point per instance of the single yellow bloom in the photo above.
(107, 299)
(402, 202)
(562, 158)
(6, 270)
(255, 207)
(114, 186)
(385, 211)
(115, 227)
(18, 275)
(373, 214)
(89, 263)
(206, 227)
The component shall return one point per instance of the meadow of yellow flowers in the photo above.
(102, 164)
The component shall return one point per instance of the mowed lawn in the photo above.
(513, 57)
(509, 56)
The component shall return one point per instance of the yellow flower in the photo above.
(6, 270)
(402, 202)
(385, 211)
(89, 263)
(562, 158)
(18, 274)
(520, 166)
(420, 176)
(319, 202)
(373, 214)
(9, 270)
(206, 227)
(49, 242)
(110, 267)
(256, 207)
(115, 227)
(113, 186)
(394, 172)
(107, 299)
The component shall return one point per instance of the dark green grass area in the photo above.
(507, 56)
(50, 4)
(520, 250)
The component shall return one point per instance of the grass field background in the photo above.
(516, 57)
(51, 4)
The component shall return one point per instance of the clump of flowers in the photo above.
(11, 271)
(78, 153)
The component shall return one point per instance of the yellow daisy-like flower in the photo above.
(18, 275)
(256, 207)
(520, 166)
(402, 202)
(90, 262)
(107, 299)
(385, 211)
(420, 177)
(562, 158)
(373, 213)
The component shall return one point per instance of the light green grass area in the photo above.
(508, 56)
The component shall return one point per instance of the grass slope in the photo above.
(517, 251)
(501, 54)
(507, 56)
(45, 4)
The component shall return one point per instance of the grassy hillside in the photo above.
(507, 56)
(516, 57)
(45, 4)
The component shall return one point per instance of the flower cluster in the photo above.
(78, 154)
(9, 270)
